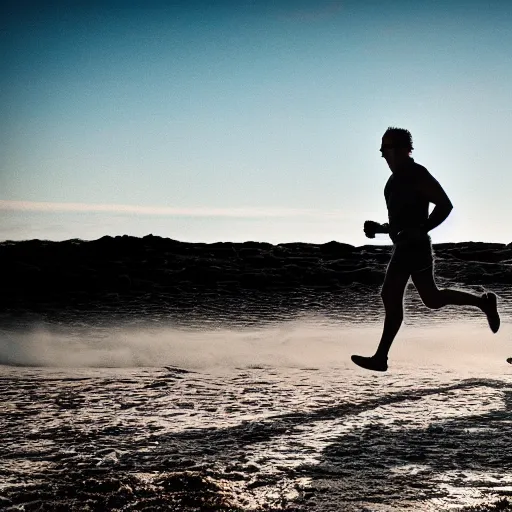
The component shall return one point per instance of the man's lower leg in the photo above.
(379, 361)
(487, 302)
(460, 298)
(392, 323)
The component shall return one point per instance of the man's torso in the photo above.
(407, 206)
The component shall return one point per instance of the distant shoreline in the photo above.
(130, 275)
(480, 244)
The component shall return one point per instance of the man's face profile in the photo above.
(387, 150)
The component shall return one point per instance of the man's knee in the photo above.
(391, 301)
(434, 300)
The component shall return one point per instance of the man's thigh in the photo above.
(426, 286)
(395, 283)
(414, 255)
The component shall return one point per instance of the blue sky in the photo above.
(248, 120)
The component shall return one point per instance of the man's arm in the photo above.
(371, 228)
(383, 228)
(435, 194)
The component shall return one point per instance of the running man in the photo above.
(408, 193)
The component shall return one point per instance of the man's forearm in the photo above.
(384, 228)
(438, 216)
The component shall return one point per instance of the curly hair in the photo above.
(401, 137)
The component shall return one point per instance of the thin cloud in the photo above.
(249, 212)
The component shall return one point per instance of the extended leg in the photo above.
(436, 298)
(392, 296)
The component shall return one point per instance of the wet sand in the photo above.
(248, 400)
(423, 437)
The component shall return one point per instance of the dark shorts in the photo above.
(412, 255)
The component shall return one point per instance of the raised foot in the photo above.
(371, 363)
(490, 308)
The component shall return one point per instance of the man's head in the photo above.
(396, 146)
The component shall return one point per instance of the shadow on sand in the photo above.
(379, 464)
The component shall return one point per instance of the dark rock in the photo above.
(116, 273)
(337, 249)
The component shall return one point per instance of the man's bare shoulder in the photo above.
(430, 187)
(422, 173)
(420, 169)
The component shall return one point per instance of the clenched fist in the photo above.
(371, 228)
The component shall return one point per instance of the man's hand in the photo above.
(371, 228)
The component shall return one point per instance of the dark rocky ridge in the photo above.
(125, 273)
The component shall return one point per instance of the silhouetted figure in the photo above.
(408, 193)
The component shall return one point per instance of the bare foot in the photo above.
(371, 363)
(490, 308)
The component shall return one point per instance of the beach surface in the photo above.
(149, 374)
